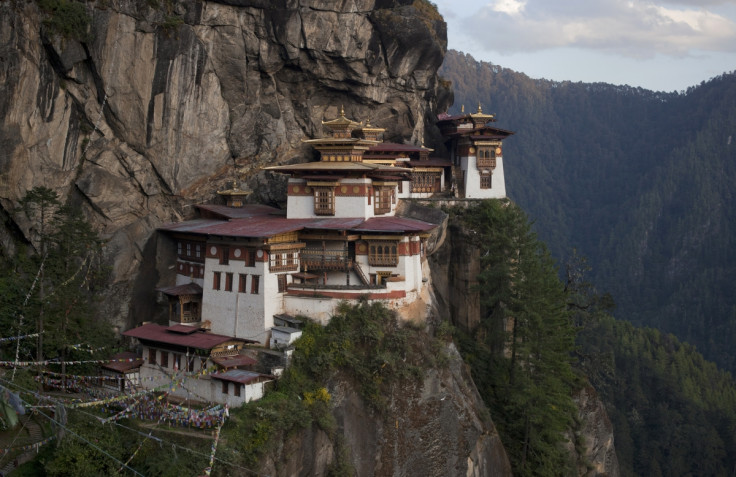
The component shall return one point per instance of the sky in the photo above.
(658, 45)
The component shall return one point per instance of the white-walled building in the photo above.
(239, 265)
(476, 154)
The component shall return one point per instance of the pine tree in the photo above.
(58, 278)
(527, 337)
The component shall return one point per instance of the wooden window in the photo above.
(178, 248)
(486, 158)
(383, 253)
(383, 200)
(189, 249)
(250, 258)
(485, 181)
(151, 356)
(228, 282)
(216, 280)
(242, 279)
(224, 387)
(324, 201)
(197, 251)
(164, 359)
(255, 284)
(224, 255)
(190, 364)
(282, 262)
(282, 283)
(422, 182)
(236, 389)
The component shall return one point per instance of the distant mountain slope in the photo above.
(638, 181)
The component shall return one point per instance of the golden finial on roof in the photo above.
(342, 110)
(480, 110)
(462, 108)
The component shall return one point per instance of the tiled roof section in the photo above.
(189, 225)
(183, 329)
(235, 361)
(255, 227)
(161, 334)
(241, 376)
(187, 289)
(394, 224)
(260, 222)
(122, 362)
(248, 210)
(333, 224)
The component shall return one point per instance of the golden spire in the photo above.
(480, 110)
(462, 108)
(342, 110)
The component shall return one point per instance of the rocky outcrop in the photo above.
(437, 428)
(595, 435)
(161, 102)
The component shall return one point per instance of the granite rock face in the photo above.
(438, 427)
(159, 105)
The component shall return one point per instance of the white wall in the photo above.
(242, 315)
(472, 180)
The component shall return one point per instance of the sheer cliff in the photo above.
(137, 109)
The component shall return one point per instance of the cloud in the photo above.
(630, 28)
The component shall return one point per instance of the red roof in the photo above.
(122, 362)
(183, 329)
(162, 334)
(262, 224)
(187, 289)
(254, 227)
(394, 224)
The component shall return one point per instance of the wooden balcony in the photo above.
(316, 259)
(486, 163)
(384, 261)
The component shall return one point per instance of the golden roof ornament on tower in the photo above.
(342, 126)
(234, 196)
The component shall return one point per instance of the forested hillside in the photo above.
(638, 181)
(673, 413)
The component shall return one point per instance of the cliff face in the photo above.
(455, 264)
(161, 104)
(438, 428)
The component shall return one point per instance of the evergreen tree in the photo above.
(521, 351)
(53, 286)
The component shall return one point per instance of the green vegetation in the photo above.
(362, 344)
(67, 18)
(170, 23)
(520, 354)
(428, 10)
(639, 181)
(673, 413)
(52, 283)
